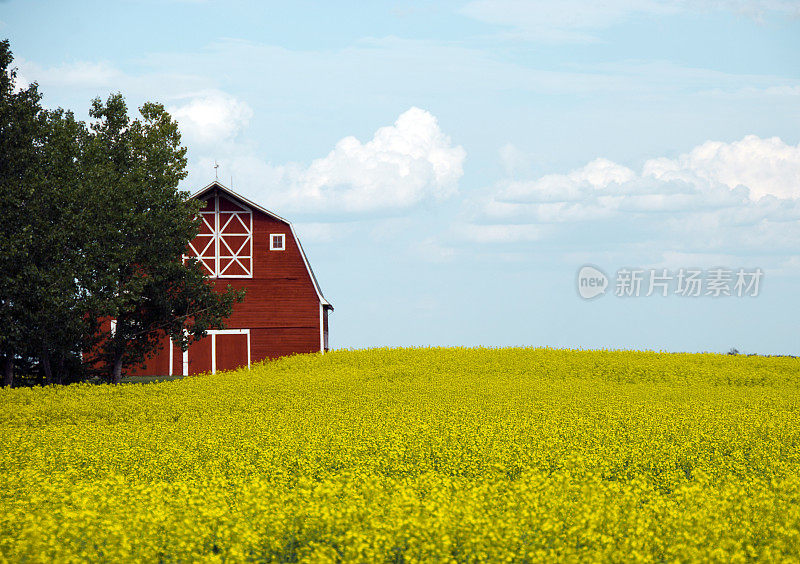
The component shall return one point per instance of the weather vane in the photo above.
(216, 172)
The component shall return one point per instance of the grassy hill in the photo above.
(413, 454)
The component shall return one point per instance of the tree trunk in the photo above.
(116, 373)
(44, 359)
(60, 370)
(8, 370)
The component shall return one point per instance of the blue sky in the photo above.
(450, 166)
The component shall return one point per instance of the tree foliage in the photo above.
(20, 139)
(138, 278)
(50, 291)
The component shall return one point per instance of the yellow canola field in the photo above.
(405, 455)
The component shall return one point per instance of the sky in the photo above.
(451, 167)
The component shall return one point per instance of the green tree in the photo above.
(140, 224)
(20, 140)
(43, 313)
(53, 298)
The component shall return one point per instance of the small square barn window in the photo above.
(277, 242)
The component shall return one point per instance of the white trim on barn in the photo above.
(213, 334)
(321, 329)
(216, 184)
(238, 225)
(184, 359)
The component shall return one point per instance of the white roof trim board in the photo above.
(216, 184)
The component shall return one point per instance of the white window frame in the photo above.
(272, 247)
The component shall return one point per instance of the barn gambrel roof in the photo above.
(218, 186)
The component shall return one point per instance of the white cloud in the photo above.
(744, 195)
(712, 175)
(500, 233)
(674, 260)
(572, 20)
(775, 92)
(79, 74)
(73, 84)
(402, 165)
(211, 117)
(765, 166)
(752, 8)
(559, 21)
(21, 83)
(790, 266)
(432, 250)
(316, 232)
(601, 172)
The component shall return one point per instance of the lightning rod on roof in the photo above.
(216, 172)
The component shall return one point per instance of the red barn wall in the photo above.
(280, 299)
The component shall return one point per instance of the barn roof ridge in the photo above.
(217, 184)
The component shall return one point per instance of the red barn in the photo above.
(284, 312)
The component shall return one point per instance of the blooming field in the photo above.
(413, 454)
